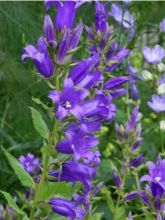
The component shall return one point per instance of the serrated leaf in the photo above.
(21, 173)
(12, 203)
(39, 123)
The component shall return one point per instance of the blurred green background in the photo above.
(21, 23)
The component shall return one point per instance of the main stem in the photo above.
(39, 186)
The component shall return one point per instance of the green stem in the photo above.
(43, 179)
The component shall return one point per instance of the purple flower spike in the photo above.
(162, 25)
(118, 58)
(49, 31)
(40, 58)
(74, 172)
(68, 101)
(67, 208)
(157, 104)
(156, 177)
(116, 82)
(117, 179)
(100, 17)
(153, 55)
(30, 163)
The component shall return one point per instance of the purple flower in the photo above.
(156, 177)
(30, 163)
(131, 196)
(83, 69)
(40, 57)
(157, 104)
(78, 143)
(118, 92)
(65, 15)
(162, 25)
(116, 82)
(117, 179)
(118, 59)
(100, 108)
(69, 41)
(74, 172)
(67, 208)
(49, 31)
(123, 18)
(68, 101)
(133, 119)
(153, 55)
(137, 161)
(100, 17)
(130, 217)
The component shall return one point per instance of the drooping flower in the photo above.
(49, 31)
(162, 25)
(153, 55)
(157, 104)
(74, 172)
(68, 101)
(117, 59)
(40, 57)
(67, 208)
(156, 177)
(100, 17)
(30, 163)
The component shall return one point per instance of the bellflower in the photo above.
(115, 82)
(153, 55)
(157, 104)
(117, 179)
(30, 163)
(69, 41)
(77, 143)
(83, 69)
(74, 172)
(162, 25)
(49, 31)
(40, 57)
(100, 17)
(65, 15)
(68, 101)
(118, 59)
(156, 177)
(67, 208)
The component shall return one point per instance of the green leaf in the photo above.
(21, 173)
(12, 203)
(39, 123)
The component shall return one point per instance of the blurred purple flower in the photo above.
(153, 55)
(67, 208)
(68, 101)
(157, 104)
(162, 25)
(30, 163)
(137, 161)
(131, 196)
(130, 217)
(115, 82)
(40, 57)
(117, 179)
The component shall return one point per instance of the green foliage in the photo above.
(12, 203)
(22, 175)
(39, 123)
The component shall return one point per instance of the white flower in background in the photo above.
(162, 125)
(147, 75)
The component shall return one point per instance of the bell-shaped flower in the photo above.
(157, 104)
(40, 57)
(68, 101)
(153, 55)
(100, 17)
